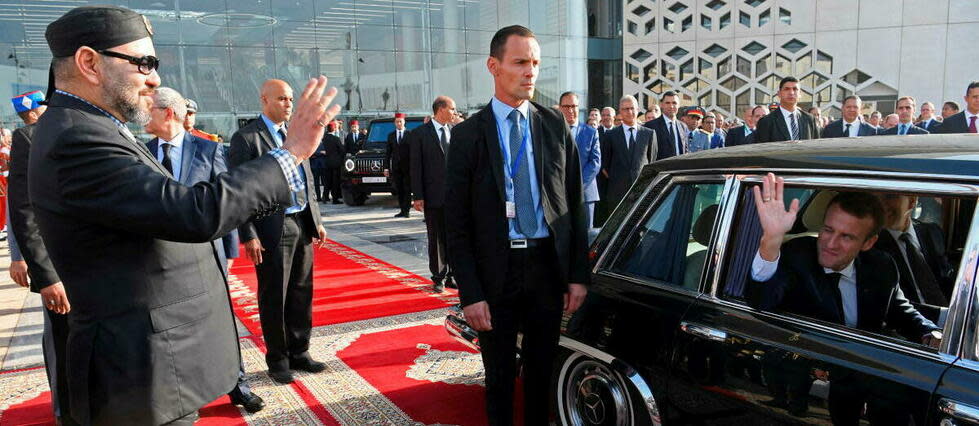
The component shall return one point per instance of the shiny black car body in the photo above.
(683, 347)
(364, 171)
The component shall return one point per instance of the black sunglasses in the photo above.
(145, 65)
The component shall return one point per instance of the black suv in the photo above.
(671, 332)
(363, 171)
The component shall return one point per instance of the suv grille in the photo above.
(367, 166)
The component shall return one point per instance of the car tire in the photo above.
(590, 392)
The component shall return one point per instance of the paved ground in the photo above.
(371, 229)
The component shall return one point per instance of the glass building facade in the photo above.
(382, 55)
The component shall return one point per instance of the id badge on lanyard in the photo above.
(511, 207)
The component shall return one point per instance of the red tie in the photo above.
(972, 124)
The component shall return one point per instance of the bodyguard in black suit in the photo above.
(629, 148)
(671, 133)
(838, 279)
(967, 120)
(398, 154)
(928, 120)
(905, 113)
(430, 144)
(151, 331)
(737, 136)
(332, 147)
(517, 229)
(280, 244)
(788, 122)
(43, 277)
(353, 141)
(850, 125)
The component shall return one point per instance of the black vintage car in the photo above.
(364, 171)
(668, 335)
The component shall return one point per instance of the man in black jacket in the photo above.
(788, 122)
(430, 144)
(353, 141)
(905, 116)
(517, 229)
(822, 277)
(398, 153)
(151, 331)
(850, 126)
(43, 278)
(967, 120)
(332, 147)
(671, 133)
(627, 149)
(280, 244)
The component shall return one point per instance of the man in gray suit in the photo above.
(627, 149)
(151, 331)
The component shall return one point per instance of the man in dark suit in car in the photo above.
(821, 278)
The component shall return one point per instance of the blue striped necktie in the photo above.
(526, 215)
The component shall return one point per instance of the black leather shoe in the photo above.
(250, 402)
(307, 365)
(282, 377)
(450, 283)
(437, 286)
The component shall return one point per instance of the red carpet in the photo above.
(347, 286)
(377, 327)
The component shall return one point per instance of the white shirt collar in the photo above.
(855, 122)
(178, 140)
(896, 233)
(969, 114)
(626, 127)
(786, 113)
(850, 271)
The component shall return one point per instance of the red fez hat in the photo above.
(399, 115)
(354, 122)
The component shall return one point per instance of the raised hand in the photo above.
(309, 121)
(775, 220)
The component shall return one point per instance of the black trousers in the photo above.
(532, 303)
(320, 181)
(285, 295)
(401, 180)
(438, 263)
(332, 183)
(54, 342)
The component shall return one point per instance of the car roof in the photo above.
(941, 155)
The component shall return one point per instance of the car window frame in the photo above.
(960, 307)
(620, 239)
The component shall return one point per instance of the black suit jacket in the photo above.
(931, 127)
(666, 146)
(795, 288)
(478, 230)
(955, 123)
(22, 222)
(352, 143)
(932, 241)
(772, 127)
(252, 141)
(399, 155)
(152, 337)
(835, 130)
(913, 130)
(202, 161)
(428, 164)
(333, 150)
(624, 164)
(736, 136)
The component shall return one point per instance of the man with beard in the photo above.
(151, 331)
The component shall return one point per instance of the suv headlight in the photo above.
(349, 165)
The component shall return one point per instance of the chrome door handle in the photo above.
(703, 331)
(958, 413)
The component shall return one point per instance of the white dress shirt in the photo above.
(854, 128)
(763, 270)
(176, 152)
(787, 116)
(633, 135)
(672, 126)
(438, 131)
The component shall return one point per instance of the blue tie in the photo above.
(298, 197)
(526, 216)
(904, 129)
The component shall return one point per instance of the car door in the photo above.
(651, 274)
(737, 364)
(956, 401)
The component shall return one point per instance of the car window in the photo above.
(671, 245)
(908, 288)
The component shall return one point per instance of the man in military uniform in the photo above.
(191, 119)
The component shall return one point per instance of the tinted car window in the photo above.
(924, 276)
(671, 245)
(379, 131)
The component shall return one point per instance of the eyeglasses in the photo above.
(146, 64)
